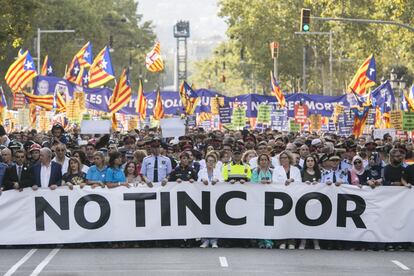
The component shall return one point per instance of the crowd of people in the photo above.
(35, 160)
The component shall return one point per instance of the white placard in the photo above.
(95, 126)
(379, 133)
(172, 127)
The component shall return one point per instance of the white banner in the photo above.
(179, 211)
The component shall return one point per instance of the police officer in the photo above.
(236, 170)
(156, 167)
(335, 175)
(183, 172)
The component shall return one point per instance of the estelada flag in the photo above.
(141, 103)
(121, 94)
(276, 90)
(158, 108)
(365, 77)
(153, 60)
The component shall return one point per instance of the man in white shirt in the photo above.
(46, 173)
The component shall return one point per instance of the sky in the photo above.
(202, 14)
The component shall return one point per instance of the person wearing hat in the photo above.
(183, 172)
(236, 170)
(34, 152)
(335, 175)
(156, 167)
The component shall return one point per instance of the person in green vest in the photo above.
(236, 170)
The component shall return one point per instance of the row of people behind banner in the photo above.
(144, 162)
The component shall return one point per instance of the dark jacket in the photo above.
(184, 174)
(55, 174)
(11, 176)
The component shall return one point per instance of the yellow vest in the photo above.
(236, 171)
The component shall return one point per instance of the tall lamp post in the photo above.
(397, 85)
(39, 32)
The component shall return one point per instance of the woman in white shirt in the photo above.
(286, 173)
(210, 175)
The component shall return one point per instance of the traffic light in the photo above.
(305, 20)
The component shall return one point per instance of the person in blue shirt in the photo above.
(115, 176)
(96, 173)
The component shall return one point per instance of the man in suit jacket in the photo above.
(17, 176)
(46, 173)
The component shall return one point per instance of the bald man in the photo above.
(46, 173)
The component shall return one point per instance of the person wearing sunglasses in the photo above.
(356, 174)
(335, 175)
(393, 172)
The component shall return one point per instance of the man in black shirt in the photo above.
(394, 172)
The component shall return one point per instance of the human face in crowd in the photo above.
(396, 157)
(304, 151)
(112, 148)
(371, 160)
(76, 155)
(291, 147)
(184, 161)
(74, 166)
(310, 163)
(250, 156)
(237, 156)
(210, 148)
(98, 161)
(278, 147)
(35, 154)
(191, 156)
(284, 160)
(131, 169)
(6, 155)
(210, 162)
(57, 132)
(20, 158)
(362, 141)
(261, 148)
(358, 164)
(44, 157)
(118, 161)
(264, 161)
(225, 158)
(334, 164)
(155, 149)
(227, 148)
(60, 151)
(129, 144)
(296, 158)
(90, 151)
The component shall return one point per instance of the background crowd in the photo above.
(141, 158)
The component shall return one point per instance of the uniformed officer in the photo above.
(183, 172)
(156, 167)
(236, 170)
(336, 175)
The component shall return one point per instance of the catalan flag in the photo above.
(153, 60)
(204, 116)
(407, 100)
(158, 112)
(60, 102)
(20, 72)
(189, 98)
(360, 119)
(45, 101)
(114, 121)
(84, 56)
(141, 103)
(85, 77)
(277, 91)
(101, 70)
(365, 77)
(47, 68)
(74, 70)
(33, 115)
(121, 94)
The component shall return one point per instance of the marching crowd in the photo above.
(35, 160)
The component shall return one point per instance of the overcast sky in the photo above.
(202, 15)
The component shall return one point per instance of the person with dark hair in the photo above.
(394, 172)
(96, 173)
(310, 172)
(58, 135)
(74, 175)
(155, 168)
(131, 173)
(115, 176)
(90, 150)
(82, 158)
(18, 176)
(183, 172)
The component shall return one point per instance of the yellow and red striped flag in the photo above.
(83, 58)
(45, 101)
(276, 91)
(189, 98)
(365, 77)
(204, 116)
(360, 119)
(153, 60)
(47, 67)
(60, 103)
(33, 115)
(114, 122)
(101, 70)
(158, 108)
(20, 72)
(121, 94)
(141, 103)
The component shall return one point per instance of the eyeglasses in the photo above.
(357, 162)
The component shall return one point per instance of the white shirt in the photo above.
(279, 174)
(45, 175)
(65, 164)
(203, 175)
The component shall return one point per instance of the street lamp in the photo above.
(39, 32)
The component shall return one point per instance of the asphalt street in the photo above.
(197, 261)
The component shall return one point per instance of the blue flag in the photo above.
(383, 95)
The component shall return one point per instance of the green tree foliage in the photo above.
(252, 25)
(93, 20)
